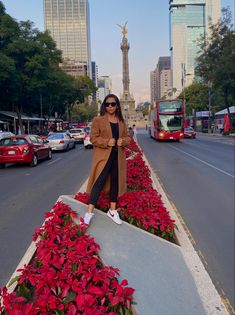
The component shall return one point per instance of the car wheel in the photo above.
(49, 157)
(67, 148)
(74, 145)
(2, 165)
(34, 160)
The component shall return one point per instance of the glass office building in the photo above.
(69, 24)
(189, 20)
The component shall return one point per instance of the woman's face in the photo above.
(110, 105)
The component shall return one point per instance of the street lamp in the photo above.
(209, 84)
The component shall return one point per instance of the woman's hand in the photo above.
(111, 142)
(120, 142)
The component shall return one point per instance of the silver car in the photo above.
(61, 141)
(5, 134)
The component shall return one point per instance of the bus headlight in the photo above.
(161, 134)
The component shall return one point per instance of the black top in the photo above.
(115, 132)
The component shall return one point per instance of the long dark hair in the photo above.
(118, 112)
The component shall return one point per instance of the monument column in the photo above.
(127, 101)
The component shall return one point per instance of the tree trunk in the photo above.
(21, 129)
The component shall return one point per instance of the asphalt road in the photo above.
(27, 193)
(198, 176)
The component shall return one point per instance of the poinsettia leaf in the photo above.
(69, 298)
(24, 291)
(121, 312)
(124, 282)
(128, 312)
(79, 233)
(13, 280)
(95, 290)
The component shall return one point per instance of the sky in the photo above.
(148, 36)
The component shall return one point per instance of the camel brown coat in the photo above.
(101, 133)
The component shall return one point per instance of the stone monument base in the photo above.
(128, 110)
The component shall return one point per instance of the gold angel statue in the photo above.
(123, 28)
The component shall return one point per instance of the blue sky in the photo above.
(148, 35)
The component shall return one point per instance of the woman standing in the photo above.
(109, 136)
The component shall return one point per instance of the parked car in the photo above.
(5, 134)
(87, 143)
(61, 141)
(23, 149)
(189, 132)
(78, 134)
(43, 134)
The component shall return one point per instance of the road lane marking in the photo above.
(54, 161)
(204, 162)
(196, 144)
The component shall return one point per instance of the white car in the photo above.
(5, 134)
(87, 143)
(78, 134)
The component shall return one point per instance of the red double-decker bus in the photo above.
(166, 120)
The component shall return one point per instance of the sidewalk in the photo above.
(231, 135)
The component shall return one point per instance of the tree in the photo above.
(196, 97)
(84, 112)
(216, 62)
(31, 80)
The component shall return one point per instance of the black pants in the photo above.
(110, 168)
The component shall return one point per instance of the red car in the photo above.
(189, 132)
(23, 149)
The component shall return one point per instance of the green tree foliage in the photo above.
(197, 98)
(84, 112)
(31, 80)
(217, 59)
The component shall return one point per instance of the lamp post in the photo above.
(209, 84)
(183, 77)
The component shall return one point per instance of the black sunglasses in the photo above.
(113, 104)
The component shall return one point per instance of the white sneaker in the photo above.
(87, 217)
(114, 215)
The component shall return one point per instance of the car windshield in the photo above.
(76, 130)
(56, 136)
(170, 106)
(170, 122)
(12, 142)
(188, 129)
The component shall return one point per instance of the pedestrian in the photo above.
(131, 132)
(134, 130)
(109, 136)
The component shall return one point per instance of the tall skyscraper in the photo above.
(161, 86)
(104, 87)
(94, 77)
(153, 85)
(69, 24)
(189, 19)
(164, 86)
